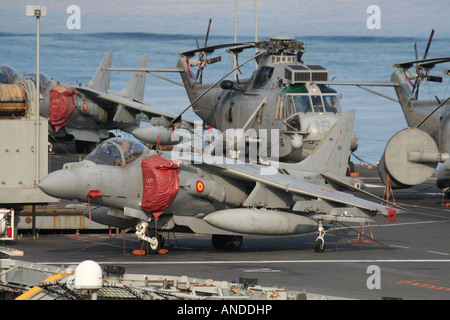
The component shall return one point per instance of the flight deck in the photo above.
(404, 259)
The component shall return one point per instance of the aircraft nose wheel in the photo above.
(319, 245)
(151, 240)
(152, 246)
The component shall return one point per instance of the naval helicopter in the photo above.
(280, 97)
(280, 106)
(414, 154)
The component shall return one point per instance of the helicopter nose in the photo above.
(61, 184)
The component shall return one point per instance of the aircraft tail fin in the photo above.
(188, 75)
(136, 85)
(101, 79)
(332, 154)
(404, 92)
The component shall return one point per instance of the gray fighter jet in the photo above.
(86, 113)
(168, 191)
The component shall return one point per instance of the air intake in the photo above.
(304, 73)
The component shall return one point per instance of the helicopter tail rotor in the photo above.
(423, 66)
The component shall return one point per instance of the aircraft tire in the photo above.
(319, 246)
(350, 168)
(149, 248)
(226, 242)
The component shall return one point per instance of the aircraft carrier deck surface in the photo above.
(407, 259)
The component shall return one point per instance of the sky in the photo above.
(299, 17)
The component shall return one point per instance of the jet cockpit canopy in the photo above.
(44, 79)
(116, 152)
(8, 75)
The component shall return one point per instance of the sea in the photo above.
(74, 58)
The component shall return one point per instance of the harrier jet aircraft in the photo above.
(86, 113)
(168, 191)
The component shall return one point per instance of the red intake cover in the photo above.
(62, 105)
(161, 184)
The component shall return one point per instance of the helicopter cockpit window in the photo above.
(116, 152)
(285, 107)
(292, 103)
(262, 76)
(317, 103)
(293, 122)
(301, 103)
(289, 104)
(331, 103)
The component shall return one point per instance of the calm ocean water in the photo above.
(75, 58)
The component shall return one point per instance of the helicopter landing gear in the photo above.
(319, 245)
(151, 240)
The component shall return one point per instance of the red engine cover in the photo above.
(62, 105)
(161, 184)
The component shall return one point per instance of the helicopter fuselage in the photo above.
(280, 102)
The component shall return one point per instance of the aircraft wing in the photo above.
(127, 103)
(333, 179)
(130, 104)
(286, 183)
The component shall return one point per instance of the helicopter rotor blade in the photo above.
(434, 78)
(200, 58)
(424, 57)
(202, 66)
(415, 51)
(427, 66)
(210, 49)
(214, 60)
(207, 32)
(428, 45)
(421, 62)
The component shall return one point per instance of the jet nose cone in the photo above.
(61, 184)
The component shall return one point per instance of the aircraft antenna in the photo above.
(235, 39)
(256, 30)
